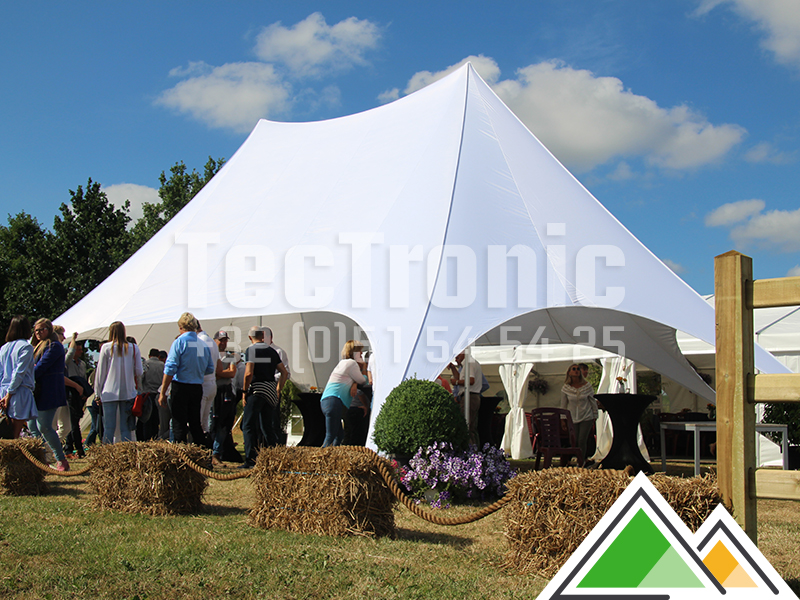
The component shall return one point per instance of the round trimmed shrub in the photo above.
(417, 414)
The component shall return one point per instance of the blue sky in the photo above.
(681, 117)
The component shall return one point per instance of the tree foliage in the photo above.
(174, 193)
(91, 240)
(27, 272)
(44, 272)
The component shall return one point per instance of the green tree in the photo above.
(175, 193)
(27, 270)
(43, 273)
(91, 241)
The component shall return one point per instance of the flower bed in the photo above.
(454, 475)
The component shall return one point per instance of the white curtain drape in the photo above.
(612, 368)
(516, 440)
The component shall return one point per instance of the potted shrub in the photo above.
(417, 414)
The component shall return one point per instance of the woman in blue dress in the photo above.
(16, 375)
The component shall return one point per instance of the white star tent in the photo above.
(429, 222)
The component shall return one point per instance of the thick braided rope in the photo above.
(387, 473)
(207, 472)
(382, 464)
(49, 470)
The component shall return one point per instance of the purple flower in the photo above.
(455, 474)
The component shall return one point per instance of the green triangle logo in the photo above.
(640, 557)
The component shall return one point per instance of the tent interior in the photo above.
(776, 329)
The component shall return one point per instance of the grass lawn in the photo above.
(59, 546)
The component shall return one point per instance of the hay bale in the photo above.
(552, 511)
(18, 475)
(325, 491)
(148, 477)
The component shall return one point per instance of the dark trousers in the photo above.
(356, 426)
(74, 439)
(148, 430)
(256, 419)
(223, 416)
(96, 410)
(186, 399)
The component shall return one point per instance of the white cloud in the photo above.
(734, 212)
(389, 96)
(623, 172)
(751, 226)
(233, 96)
(794, 271)
(311, 46)
(776, 229)
(764, 152)
(192, 69)
(676, 268)
(586, 120)
(779, 20)
(136, 194)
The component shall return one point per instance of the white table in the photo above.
(699, 426)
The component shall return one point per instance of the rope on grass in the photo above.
(49, 470)
(383, 466)
(203, 471)
(387, 473)
(208, 472)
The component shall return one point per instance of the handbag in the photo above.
(138, 404)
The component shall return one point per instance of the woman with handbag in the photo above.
(119, 368)
(50, 392)
(16, 375)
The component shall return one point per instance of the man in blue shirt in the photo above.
(188, 361)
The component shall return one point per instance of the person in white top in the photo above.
(209, 382)
(577, 395)
(337, 396)
(119, 369)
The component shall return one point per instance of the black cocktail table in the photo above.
(313, 419)
(625, 412)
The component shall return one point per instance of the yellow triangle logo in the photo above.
(726, 569)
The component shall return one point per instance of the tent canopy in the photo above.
(431, 223)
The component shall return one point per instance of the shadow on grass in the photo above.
(432, 537)
(74, 487)
(222, 510)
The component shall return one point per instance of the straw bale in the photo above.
(552, 511)
(325, 491)
(148, 477)
(18, 475)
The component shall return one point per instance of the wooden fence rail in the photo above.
(739, 388)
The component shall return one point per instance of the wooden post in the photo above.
(733, 278)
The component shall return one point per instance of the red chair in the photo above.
(550, 423)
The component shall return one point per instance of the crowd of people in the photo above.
(187, 394)
(191, 393)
